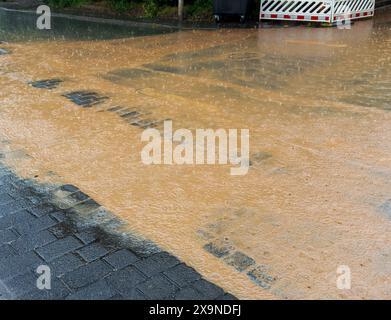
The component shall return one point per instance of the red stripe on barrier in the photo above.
(287, 16)
(314, 18)
(273, 16)
(262, 15)
(357, 14)
(365, 14)
(300, 17)
(327, 18)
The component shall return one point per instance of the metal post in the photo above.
(332, 11)
(180, 10)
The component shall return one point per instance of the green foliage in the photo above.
(151, 8)
(199, 8)
(194, 9)
(121, 5)
(66, 3)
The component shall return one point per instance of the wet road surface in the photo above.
(316, 102)
(61, 228)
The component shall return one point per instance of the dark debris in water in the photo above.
(46, 84)
(85, 98)
(261, 276)
(224, 249)
(3, 51)
(239, 261)
(136, 118)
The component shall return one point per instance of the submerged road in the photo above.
(316, 101)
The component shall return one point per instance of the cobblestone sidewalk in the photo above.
(86, 261)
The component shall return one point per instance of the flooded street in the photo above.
(317, 102)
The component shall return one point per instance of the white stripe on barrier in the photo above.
(316, 10)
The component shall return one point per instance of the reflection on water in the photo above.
(21, 26)
(316, 101)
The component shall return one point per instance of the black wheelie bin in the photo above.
(231, 8)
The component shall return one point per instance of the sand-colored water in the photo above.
(316, 102)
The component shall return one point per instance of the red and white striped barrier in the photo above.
(316, 10)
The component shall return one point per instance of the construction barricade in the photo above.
(329, 11)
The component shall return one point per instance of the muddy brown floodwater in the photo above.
(317, 102)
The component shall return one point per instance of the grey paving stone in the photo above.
(85, 98)
(115, 109)
(22, 283)
(189, 293)
(182, 275)
(8, 178)
(14, 206)
(35, 225)
(22, 217)
(5, 198)
(86, 236)
(58, 248)
(69, 188)
(90, 204)
(20, 183)
(116, 297)
(208, 290)
(9, 188)
(13, 266)
(97, 291)
(156, 263)
(218, 250)
(165, 259)
(149, 267)
(93, 251)
(60, 216)
(46, 84)
(227, 296)
(65, 264)
(7, 236)
(79, 196)
(85, 206)
(33, 241)
(62, 230)
(28, 193)
(3, 172)
(58, 291)
(42, 209)
(130, 114)
(159, 288)
(5, 294)
(239, 261)
(134, 294)
(121, 259)
(87, 274)
(261, 277)
(7, 251)
(125, 281)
